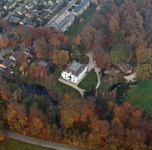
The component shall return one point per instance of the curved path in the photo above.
(91, 65)
(41, 142)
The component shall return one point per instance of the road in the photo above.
(13, 12)
(41, 142)
(93, 65)
(6, 51)
(63, 10)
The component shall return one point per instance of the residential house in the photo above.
(30, 4)
(59, 1)
(44, 63)
(23, 21)
(125, 67)
(50, 2)
(10, 5)
(28, 51)
(74, 72)
(53, 7)
(66, 23)
(22, 11)
(81, 7)
(7, 63)
(14, 19)
(31, 24)
(43, 16)
(14, 55)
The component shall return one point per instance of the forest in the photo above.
(119, 32)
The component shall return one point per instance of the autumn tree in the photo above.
(144, 66)
(120, 53)
(17, 117)
(41, 48)
(139, 50)
(63, 58)
(37, 121)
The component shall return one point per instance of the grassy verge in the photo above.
(78, 28)
(89, 81)
(141, 94)
(104, 85)
(66, 89)
(11, 144)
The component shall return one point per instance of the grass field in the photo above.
(11, 144)
(141, 94)
(78, 27)
(89, 81)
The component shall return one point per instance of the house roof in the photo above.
(75, 67)
(126, 67)
(44, 63)
(15, 19)
(22, 10)
(10, 3)
(45, 14)
(80, 6)
(7, 62)
(31, 24)
(15, 54)
(24, 21)
(54, 6)
(64, 22)
(28, 49)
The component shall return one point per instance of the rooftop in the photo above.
(54, 6)
(7, 62)
(15, 19)
(75, 67)
(23, 10)
(80, 6)
(10, 3)
(126, 67)
(44, 15)
(64, 22)
(43, 63)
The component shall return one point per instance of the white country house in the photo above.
(74, 72)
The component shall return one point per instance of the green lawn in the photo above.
(141, 94)
(80, 27)
(11, 144)
(89, 81)
(66, 89)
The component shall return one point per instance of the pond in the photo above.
(51, 104)
(114, 86)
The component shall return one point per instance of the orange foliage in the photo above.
(139, 50)
(55, 57)
(5, 93)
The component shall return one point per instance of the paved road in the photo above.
(63, 10)
(41, 142)
(93, 65)
(6, 51)
(130, 77)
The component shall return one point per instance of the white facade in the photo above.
(72, 78)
